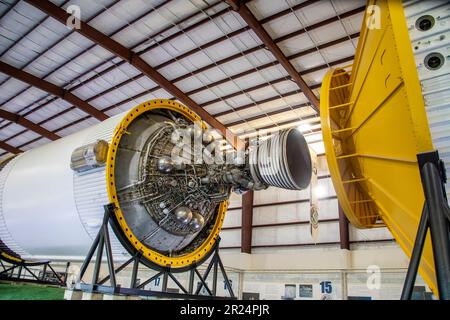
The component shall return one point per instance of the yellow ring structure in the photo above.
(152, 255)
(373, 125)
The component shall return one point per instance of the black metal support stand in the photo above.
(435, 217)
(102, 243)
(24, 273)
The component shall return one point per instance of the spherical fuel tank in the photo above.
(166, 207)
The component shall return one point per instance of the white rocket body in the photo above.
(47, 210)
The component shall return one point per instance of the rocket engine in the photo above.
(162, 169)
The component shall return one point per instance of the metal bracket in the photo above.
(435, 217)
(8, 273)
(102, 242)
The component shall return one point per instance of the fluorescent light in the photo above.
(320, 191)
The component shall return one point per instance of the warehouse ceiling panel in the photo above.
(203, 47)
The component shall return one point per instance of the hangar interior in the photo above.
(248, 68)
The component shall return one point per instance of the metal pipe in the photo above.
(89, 256)
(416, 254)
(225, 276)
(191, 281)
(280, 203)
(438, 227)
(143, 284)
(56, 274)
(203, 283)
(32, 274)
(262, 34)
(135, 271)
(282, 224)
(98, 260)
(117, 270)
(214, 284)
(164, 282)
(44, 271)
(285, 245)
(109, 255)
(177, 282)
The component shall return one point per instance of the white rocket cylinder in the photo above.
(48, 211)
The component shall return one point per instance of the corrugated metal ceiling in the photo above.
(203, 47)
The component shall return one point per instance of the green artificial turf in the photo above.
(29, 292)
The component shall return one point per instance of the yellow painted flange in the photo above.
(374, 124)
(11, 258)
(149, 254)
(346, 174)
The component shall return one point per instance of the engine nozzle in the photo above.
(282, 161)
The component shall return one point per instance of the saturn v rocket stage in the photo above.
(168, 205)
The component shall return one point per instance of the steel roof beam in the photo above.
(277, 40)
(273, 63)
(190, 28)
(222, 61)
(164, 40)
(236, 56)
(284, 123)
(272, 113)
(287, 94)
(52, 89)
(261, 128)
(43, 53)
(97, 65)
(228, 125)
(116, 105)
(136, 61)
(24, 122)
(246, 106)
(266, 100)
(262, 34)
(9, 148)
(26, 34)
(283, 95)
(234, 77)
(176, 34)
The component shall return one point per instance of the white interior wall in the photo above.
(293, 212)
